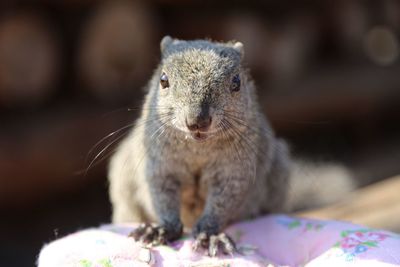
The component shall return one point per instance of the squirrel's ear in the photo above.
(238, 46)
(165, 42)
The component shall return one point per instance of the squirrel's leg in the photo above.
(224, 198)
(166, 201)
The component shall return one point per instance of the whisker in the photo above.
(137, 123)
(159, 132)
(148, 107)
(241, 138)
(162, 125)
(231, 143)
(246, 144)
(102, 151)
(108, 136)
(95, 160)
(242, 148)
(254, 130)
(319, 122)
(86, 170)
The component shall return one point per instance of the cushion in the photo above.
(274, 240)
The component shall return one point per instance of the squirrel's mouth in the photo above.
(199, 136)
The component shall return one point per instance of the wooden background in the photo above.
(327, 73)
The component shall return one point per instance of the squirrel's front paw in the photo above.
(156, 235)
(213, 243)
(208, 236)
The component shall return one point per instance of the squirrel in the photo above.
(202, 154)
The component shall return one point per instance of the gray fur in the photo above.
(160, 173)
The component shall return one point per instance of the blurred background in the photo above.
(72, 72)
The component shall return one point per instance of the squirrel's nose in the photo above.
(200, 123)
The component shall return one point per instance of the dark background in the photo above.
(327, 72)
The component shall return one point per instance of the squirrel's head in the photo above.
(200, 82)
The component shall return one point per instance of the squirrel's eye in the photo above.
(235, 83)
(164, 81)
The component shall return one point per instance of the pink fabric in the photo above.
(277, 240)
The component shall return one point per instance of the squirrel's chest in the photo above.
(193, 164)
(193, 198)
(189, 156)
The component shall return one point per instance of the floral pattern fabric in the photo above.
(276, 240)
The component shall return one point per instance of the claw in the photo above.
(228, 246)
(214, 243)
(149, 234)
(200, 241)
(213, 246)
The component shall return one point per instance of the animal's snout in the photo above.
(199, 123)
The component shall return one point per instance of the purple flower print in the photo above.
(374, 236)
(359, 241)
(349, 242)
